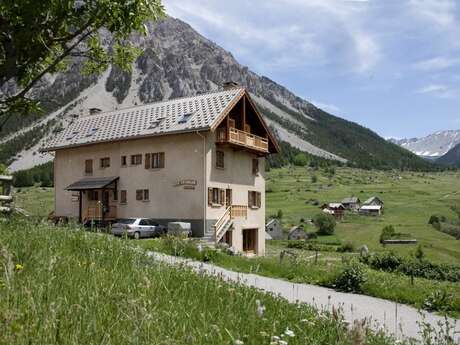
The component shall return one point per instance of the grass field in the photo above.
(410, 199)
(38, 201)
(67, 286)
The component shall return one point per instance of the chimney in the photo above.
(93, 111)
(230, 85)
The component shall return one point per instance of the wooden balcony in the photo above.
(241, 138)
(95, 212)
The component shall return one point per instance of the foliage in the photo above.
(351, 277)
(387, 233)
(390, 262)
(312, 246)
(40, 37)
(325, 223)
(433, 219)
(347, 247)
(419, 253)
(3, 169)
(41, 174)
(450, 229)
(437, 300)
(300, 159)
(456, 210)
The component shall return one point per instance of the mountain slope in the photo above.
(433, 145)
(451, 158)
(177, 61)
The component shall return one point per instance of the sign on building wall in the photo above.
(187, 183)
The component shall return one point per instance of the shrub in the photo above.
(351, 278)
(325, 224)
(419, 254)
(279, 214)
(387, 233)
(23, 178)
(437, 301)
(433, 219)
(450, 229)
(314, 179)
(347, 247)
(300, 159)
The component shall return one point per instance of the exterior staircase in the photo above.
(224, 224)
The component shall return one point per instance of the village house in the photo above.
(352, 203)
(334, 208)
(297, 233)
(274, 230)
(196, 159)
(373, 201)
(372, 207)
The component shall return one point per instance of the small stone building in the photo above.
(352, 203)
(274, 230)
(297, 233)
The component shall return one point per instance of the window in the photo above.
(136, 159)
(216, 196)
(105, 162)
(220, 162)
(144, 222)
(254, 199)
(88, 166)
(93, 195)
(123, 161)
(115, 195)
(155, 160)
(255, 166)
(123, 197)
(142, 194)
(185, 118)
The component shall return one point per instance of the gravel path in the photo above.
(398, 319)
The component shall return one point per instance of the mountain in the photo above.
(451, 158)
(431, 146)
(177, 61)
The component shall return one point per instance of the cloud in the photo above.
(331, 108)
(438, 12)
(437, 63)
(440, 90)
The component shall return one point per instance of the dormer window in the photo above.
(91, 132)
(184, 118)
(72, 135)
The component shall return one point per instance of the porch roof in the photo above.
(89, 183)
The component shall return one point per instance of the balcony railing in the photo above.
(95, 212)
(239, 137)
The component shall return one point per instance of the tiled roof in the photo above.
(186, 114)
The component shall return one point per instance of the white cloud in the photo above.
(438, 12)
(331, 108)
(433, 88)
(440, 90)
(437, 63)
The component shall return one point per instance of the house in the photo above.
(334, 208)
(196, 159)
(373, 201)
(352, 203)
(297, 233)
(274, 230)
(371, 210)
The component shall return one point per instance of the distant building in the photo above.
(297, 233)
(353, 203)
(334, 208)
(274, 230)
(371, 210)
(373, 201)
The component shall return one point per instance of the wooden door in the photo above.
(228, 197)
(249, 240)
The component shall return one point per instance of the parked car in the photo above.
(138, 228)
(180, 229)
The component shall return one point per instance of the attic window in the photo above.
(72, 135)
(185, 118)
(91, 132)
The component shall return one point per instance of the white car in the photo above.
(137, 228)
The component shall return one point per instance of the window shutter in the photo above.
(147, 160)
(259, 199)
(249, 198)
(162, 159)
(123, 196)
(221, 196)
(255, 166)
(89, 166)
(209, 196)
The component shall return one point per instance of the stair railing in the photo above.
(220, 224)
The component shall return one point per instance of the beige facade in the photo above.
(213, 177)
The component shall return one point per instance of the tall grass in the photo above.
(67, 286)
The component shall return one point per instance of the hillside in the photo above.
(431, 146)
(451, 158)
(177, 61)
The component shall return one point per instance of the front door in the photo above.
(249, 240)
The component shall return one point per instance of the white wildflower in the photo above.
(238, 342)
(260, 308)
(282, 342)
(289, 333)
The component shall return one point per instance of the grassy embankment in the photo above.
(67, 286)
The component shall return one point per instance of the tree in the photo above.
(300, 159)
(40, 37)
(23, 178)
(387, 233)
(419, 254)
(325, 224)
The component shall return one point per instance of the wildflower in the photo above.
(18, 267)
(289, 333)
(260, 308)
(263, 334)
(282, 342)
(275, 338)
(238, 342)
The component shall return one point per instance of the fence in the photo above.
(6, 199)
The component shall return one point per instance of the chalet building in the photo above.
(371, 210)
(373, 201)
(334, 208)
(297, 233)
(352, 203)
(197, 159)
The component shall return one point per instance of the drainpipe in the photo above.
(205, 187)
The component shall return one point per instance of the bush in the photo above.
(351, 278)
(438, 300)
(300, 159)
(314, 179)
(450, 229)
(433, 219)
(325, 224)
(387, 233)
(23, 178)
(347, 247)
(419, 254)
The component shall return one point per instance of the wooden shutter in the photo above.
(209, 196)
(139, 194)
(255, 166)
(162, 159)
(221, 196)
(259, 199)
(146, 194)
(123, 197)
(89, 166)
(250, 202)
(147, 160)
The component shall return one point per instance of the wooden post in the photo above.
(6, 199)
(80, 207)
(244, 113)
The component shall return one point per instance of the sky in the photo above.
(390, 65)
